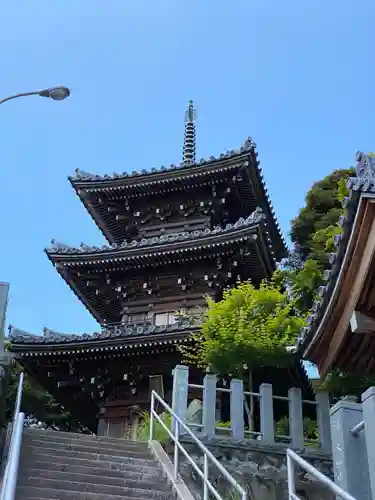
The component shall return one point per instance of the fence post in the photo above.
(180, 392)
(209, 405)
(349, 452)
(267, 426)
(237, 409)
(322, 416)
(368, 408)
(296, 417)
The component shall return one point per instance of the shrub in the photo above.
(159, 433)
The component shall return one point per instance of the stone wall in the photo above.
(260, 468)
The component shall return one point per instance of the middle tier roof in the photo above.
(102, 276)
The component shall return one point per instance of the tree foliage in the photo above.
(340, 384)
(319, 215)
(312, 233)
(248, 328)
(37, 404)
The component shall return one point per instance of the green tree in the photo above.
(340, 384)
(249, 328)
(38, 404)
(321, 211)
(313, 232)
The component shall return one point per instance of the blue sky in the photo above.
(296, 76)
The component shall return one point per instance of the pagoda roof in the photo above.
(163, 180)
(174, 241)
(122, 337)
(87, 180)
(169, 248)
(325, 308)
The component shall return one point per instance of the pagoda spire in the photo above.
(188, 154)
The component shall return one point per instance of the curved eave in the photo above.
(330, 322)
(260, 188)
(159, 177)
(120, 254)
(248, 158)
(123, 344)
(141, 257)
(84, 189)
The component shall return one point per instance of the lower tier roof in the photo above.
(117, 339)
(85, 382)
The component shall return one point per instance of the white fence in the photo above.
(265, 429)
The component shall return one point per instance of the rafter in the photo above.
(361, 323)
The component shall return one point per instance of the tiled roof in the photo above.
(363, 182)
(80, 175)
(253, 219)
(17, 336)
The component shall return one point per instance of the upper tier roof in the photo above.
(160, 175)
(89, 187)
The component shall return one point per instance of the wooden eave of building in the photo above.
(143, 249)
(119, 341)
(72, 376)
(185, 247)
(54, 367)
(341, 331)
(90, 187)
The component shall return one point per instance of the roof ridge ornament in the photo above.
(57, 246)
(188, 152)
(17, 333)
(248, 145)
(82, 175)
(365, 172)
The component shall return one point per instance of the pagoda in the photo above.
(175, 235)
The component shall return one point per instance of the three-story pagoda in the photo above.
(175, 235)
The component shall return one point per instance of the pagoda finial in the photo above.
(188, 154)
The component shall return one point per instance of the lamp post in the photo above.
(56, 93)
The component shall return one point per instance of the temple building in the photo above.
(175, 235)
(341, 331)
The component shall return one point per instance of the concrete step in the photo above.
(72, 487)
(105, 449)
(27, 493)
(78, 466)
(66, 466)
(130, 458)
(91, 442)
(73, 435)
(140, 483)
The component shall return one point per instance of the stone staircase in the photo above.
(63, 466)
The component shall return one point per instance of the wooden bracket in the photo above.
(360, 323)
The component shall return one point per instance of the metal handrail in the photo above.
(356, 429)
(208, 456)
(11, 470)
(293, 458)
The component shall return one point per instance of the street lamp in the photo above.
(56, 93)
